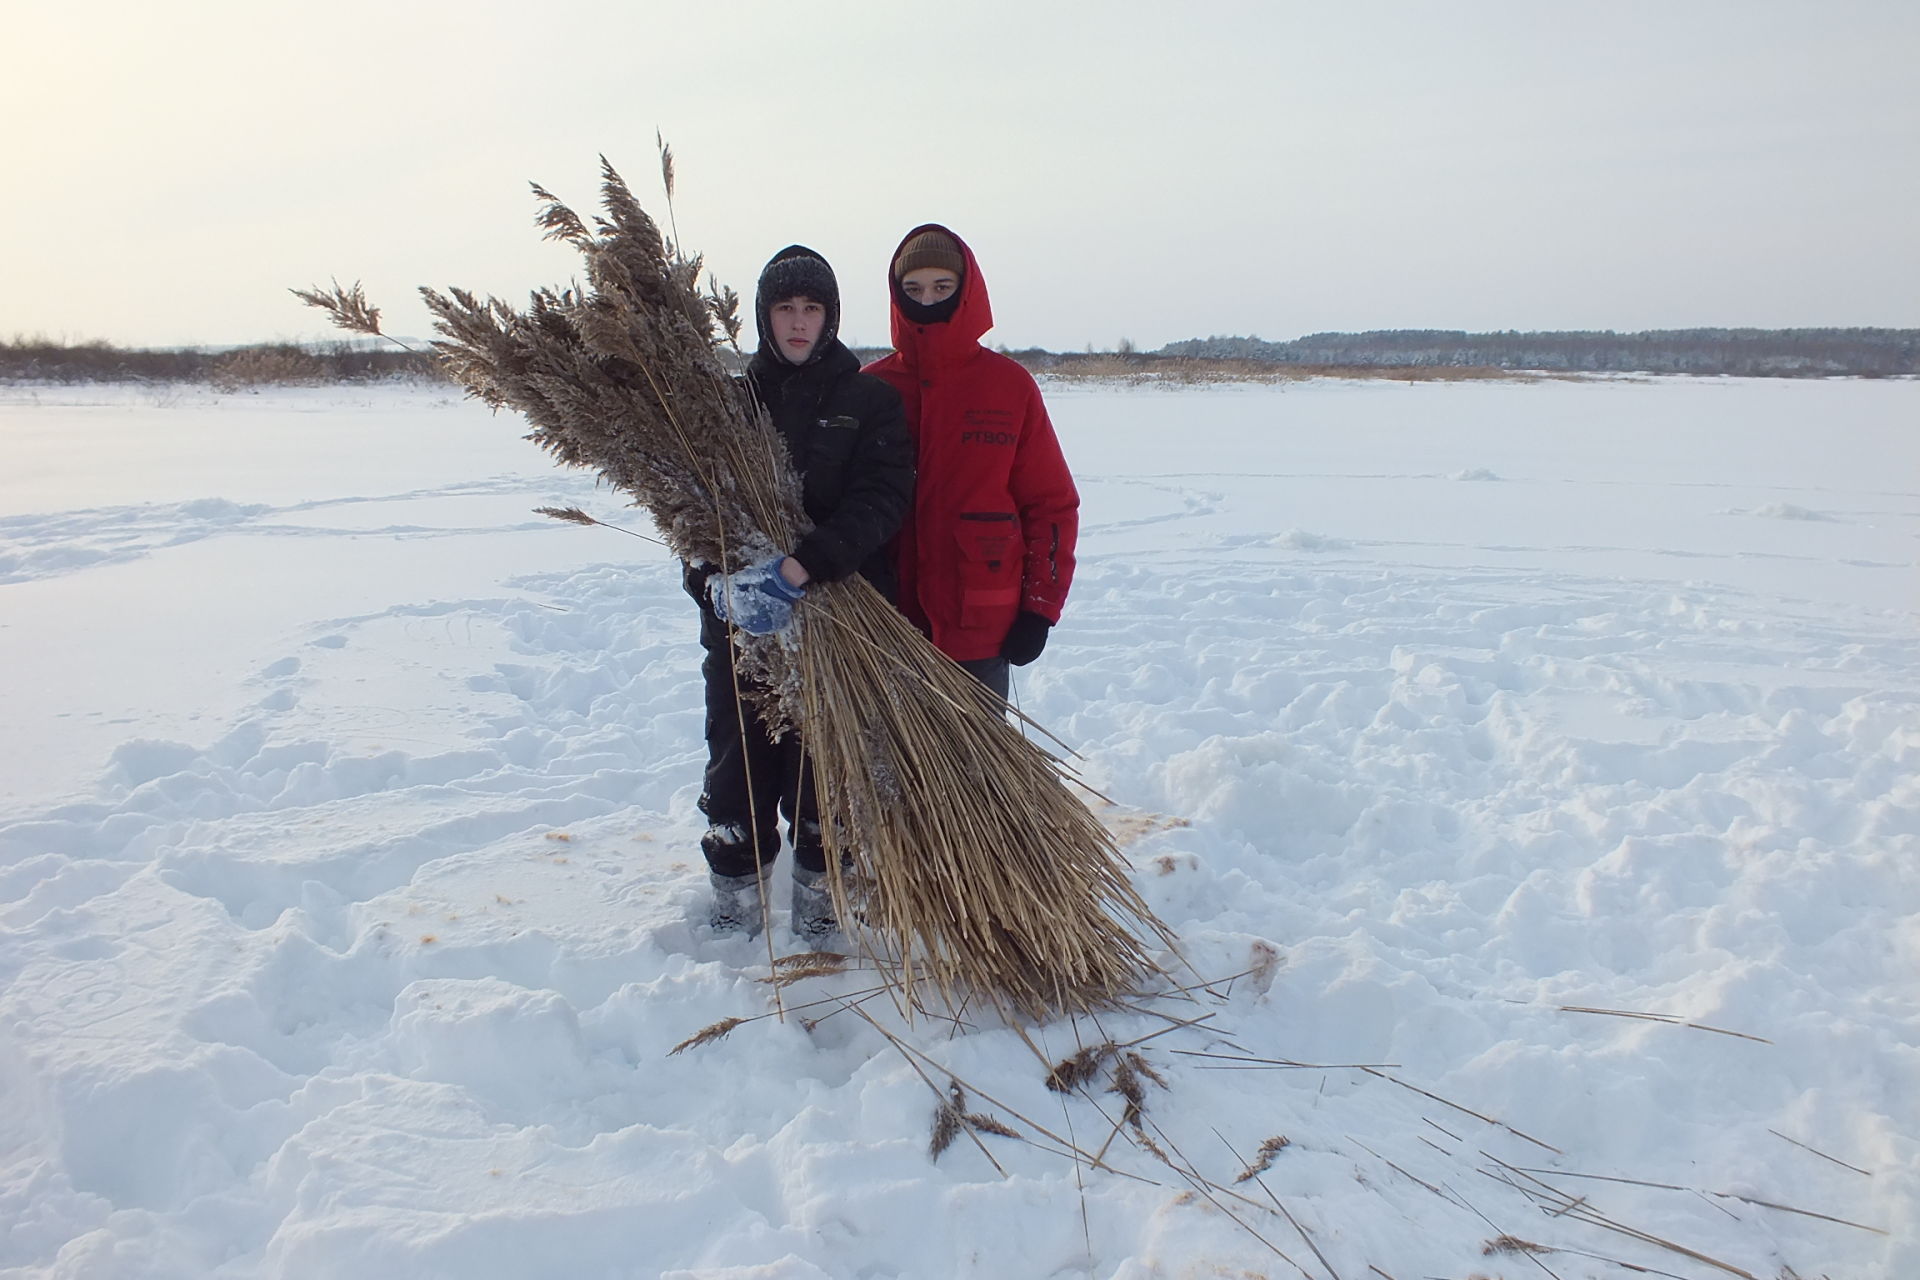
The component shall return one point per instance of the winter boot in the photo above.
(736, 904)
(813, 919)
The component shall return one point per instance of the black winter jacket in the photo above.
(848, 438)
(847, 435)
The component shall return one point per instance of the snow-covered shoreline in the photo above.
(347, 851)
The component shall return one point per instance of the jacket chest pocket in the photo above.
(829, 452)
(991, 558)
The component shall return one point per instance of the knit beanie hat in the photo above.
(798, 272)
(929, 249)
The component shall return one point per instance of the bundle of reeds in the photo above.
(980, 873)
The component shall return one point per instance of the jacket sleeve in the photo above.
(879, 491)
(1049, 508)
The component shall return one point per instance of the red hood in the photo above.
(933, 343)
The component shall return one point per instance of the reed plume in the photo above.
(347, 307)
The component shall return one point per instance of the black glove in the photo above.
(1025, 638)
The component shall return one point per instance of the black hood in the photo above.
(797, 272)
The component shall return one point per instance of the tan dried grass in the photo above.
(276, 366)
(975, 858)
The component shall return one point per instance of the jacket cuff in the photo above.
(823, 555)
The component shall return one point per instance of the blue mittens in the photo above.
(758, 600)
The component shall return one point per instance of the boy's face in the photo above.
(795, 324)
(928, 285)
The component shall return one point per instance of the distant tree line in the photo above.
(1782, 353)
(43, 360)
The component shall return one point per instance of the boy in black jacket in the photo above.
(847, 435)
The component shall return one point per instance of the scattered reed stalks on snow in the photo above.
(979, 872)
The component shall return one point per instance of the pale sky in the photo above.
(1147, 171)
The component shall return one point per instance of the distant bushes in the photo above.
(1753, 353)
(1110, 366)
(1411, 354)
(1127, 365)
(265, 364)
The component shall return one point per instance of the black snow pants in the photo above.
(751, 780)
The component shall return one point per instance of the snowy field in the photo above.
(348, 857)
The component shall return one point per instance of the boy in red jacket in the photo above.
(986, 555)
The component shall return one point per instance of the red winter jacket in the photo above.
(995, 513)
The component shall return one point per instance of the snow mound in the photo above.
(1780, 511)
(1302, 540)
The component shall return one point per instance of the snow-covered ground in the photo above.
(348, 861)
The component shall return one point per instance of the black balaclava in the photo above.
(929, 249)
(797, 272)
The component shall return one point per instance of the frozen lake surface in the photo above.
(1545, 756)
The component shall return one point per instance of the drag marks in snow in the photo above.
(45, 545)
(1165, 502)
(1852, 544)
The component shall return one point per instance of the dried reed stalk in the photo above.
(1671, 1020)
(982, 874)
(992, 876)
